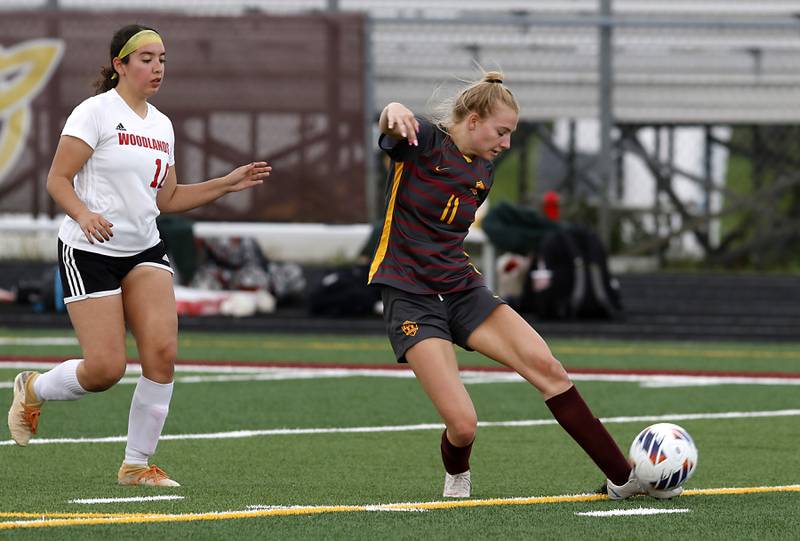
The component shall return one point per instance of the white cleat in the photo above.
(458, 485)
(621, 492)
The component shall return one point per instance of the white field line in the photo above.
(237, 373)
(384, 508)
(667, 380)
(91, 501)
(224, 374)
(673, 417)
(630, 512)
(38, 341)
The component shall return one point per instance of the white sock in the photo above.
(60, 383)
(149, 409)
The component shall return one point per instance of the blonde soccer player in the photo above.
(113, 173)
(434, 297)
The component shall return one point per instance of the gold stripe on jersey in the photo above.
(446, 208)
(380, 253)
(455, 209)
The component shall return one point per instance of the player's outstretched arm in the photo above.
(174, 197)
(398, 121)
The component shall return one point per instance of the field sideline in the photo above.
(326, 437)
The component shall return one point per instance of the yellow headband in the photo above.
(136, 41)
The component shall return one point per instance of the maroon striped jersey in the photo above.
(431, 199)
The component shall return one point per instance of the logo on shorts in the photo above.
(409, 328)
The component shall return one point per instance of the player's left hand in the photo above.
(247, 176)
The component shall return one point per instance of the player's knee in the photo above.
(462, 431)
(555, 371)
(158, 359)
(546, 367)
(166, 350)
(104, 372)
(165, 354)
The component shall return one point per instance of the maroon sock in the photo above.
(456, 459)
(576, 418)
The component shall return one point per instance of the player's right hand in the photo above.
(95, 227)
(402, 122)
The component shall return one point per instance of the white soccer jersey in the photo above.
(122, 177)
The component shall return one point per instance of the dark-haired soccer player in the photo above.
(113, 173)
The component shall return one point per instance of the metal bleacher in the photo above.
(674, 62)
(682, 61)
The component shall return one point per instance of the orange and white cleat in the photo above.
(23, 416)
(151, 476)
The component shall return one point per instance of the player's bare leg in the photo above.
(434, 363)
(507, 338)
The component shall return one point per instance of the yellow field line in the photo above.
(80, 519)
(743, 490)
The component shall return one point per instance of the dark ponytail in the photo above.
(104, 82)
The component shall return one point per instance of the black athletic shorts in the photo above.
(412, 317)
(90, 275)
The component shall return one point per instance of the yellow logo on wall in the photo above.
(25, 69)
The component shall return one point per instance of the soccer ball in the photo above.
(664, 456)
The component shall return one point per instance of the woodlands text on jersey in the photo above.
(142, 141)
